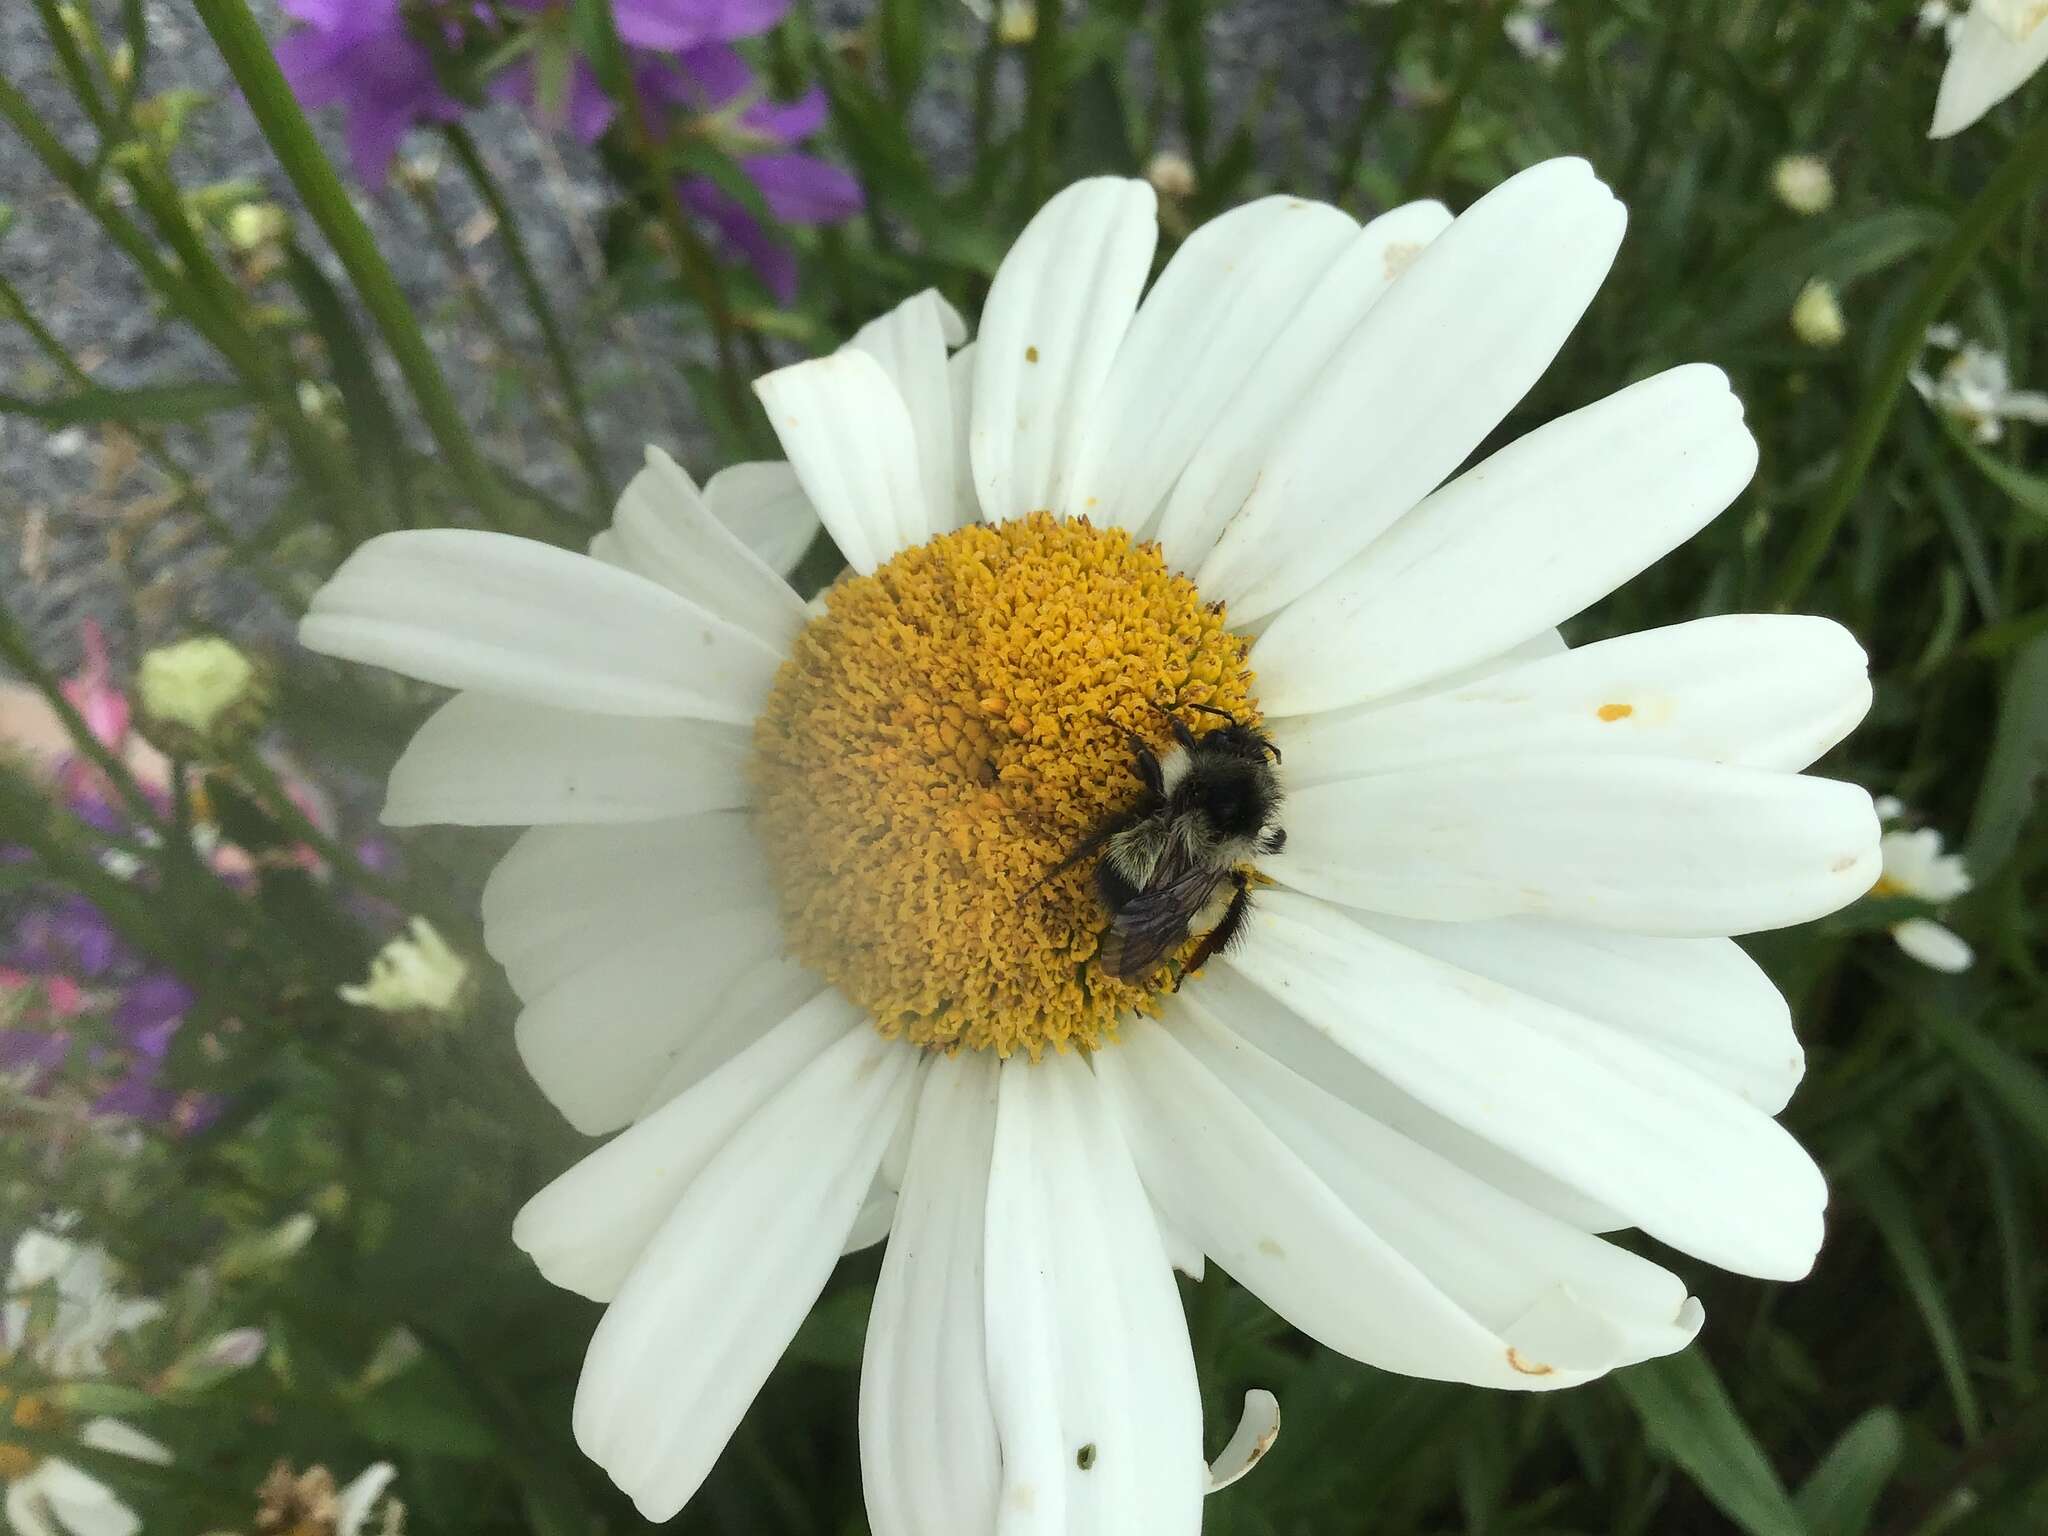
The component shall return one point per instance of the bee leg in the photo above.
(1147, 762)
(1220, 938)
(1089, 844)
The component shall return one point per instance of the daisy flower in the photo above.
(62, 1312)
(1994, 50)
(801, 916)
(1975, 387)
(1916, 867)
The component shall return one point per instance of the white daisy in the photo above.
(790, 919)
(1994, 50)
(1915, 866)
(62, 1311)
(1975, 387)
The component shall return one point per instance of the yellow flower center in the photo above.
(24, 1412)
(944, 734)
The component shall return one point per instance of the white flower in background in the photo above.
(1975, 387)
(195, 683)
(793, 918)
(308, 1503)
(1993, 51)
(1533, 37)
(1916, 867)
(1817, 317)
(62, 1311)
(416, 972)
(1804, 184)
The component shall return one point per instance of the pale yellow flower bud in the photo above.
(199, 684)
(1817, 317)
(251, 226)
(1171, 175)
(1804, 184)
(1016, 22)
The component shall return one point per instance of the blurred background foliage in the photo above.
(264, 1153)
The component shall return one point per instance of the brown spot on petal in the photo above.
(1031, 354)
(1526, 1366)
(1612, 712)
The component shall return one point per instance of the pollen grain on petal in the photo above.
(947, 731)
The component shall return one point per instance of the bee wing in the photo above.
(1155, 921)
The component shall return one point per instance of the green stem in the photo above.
(1479, 47)
(242, 44)
(72, 62)
(1383, 38)
(2023, 167)
(1042, 104)
(583, 440)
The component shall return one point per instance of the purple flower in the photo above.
(362, 56)
(669, 26)
(797, 188)
(585, 110)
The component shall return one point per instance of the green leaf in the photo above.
(1840, 1496)
(2018, 1086)
(151, 403)
(834, 1333)
(2019, 761)
(1687, 1415)
(1892, 1214)
(424, 1411)
(2028, 492)
(903, 46)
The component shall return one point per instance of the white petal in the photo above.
(1428, 373)
(566, 896)
(1985, 67)
(765, 505)
(1222, 300)
(1089, 1359)
(928, 1455)
(1702, 1002)
(1284, 1035)
(850, 439)
(359, 1496)
(758, 998)
(1368, 1242)
(1934, 946)
(910, 344)
(1541, 529)
(529, 621)
(1686, 1161)
(664, 528)
(1651, 845)
(1058, 310)
(484, 761)
(720, 1290)
(595, 1040)
(960, 378)
(60, 1499)
(877, 1216)
(27, 1514)
(1257, 1428)
(1226, 465)
(120, 1439)
(587, 1229)
(1755, 690)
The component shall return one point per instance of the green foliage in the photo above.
(1897, 1392)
